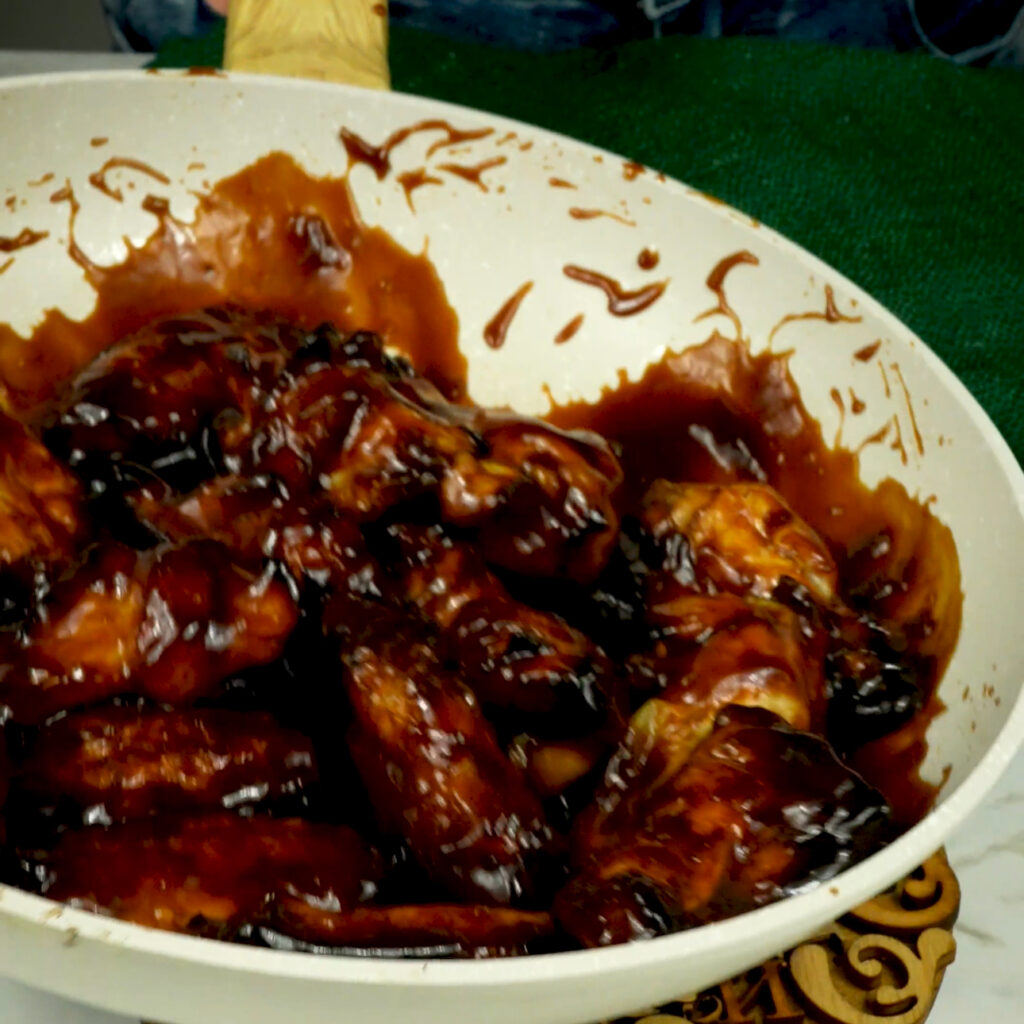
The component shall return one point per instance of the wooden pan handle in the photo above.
(331, 40)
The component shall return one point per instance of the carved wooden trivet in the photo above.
(879, 964)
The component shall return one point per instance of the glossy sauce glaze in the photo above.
(482, 684)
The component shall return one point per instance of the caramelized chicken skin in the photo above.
(435, 772)
(41, 515)
(512, 655)
(757, 810)
(742, 538)
(123, 763)
(168, 624)
(213, 874)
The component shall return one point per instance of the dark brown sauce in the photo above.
(6, 265)
(877, 437)
(497, 327)
(631, 170)
(414, 179)
(620, 301)
(474, 173)
(837, 400)
(898, 444)
(857, 405)
(716, 283)
(717, 412)
(830, 315)
(560, 183)
(885, 379)
(569, 330)
(381, 10)
(253, 241)
(11, 202)
(867, 353)
(205, 72)
(99, 140)
(22, 240)
(918, 440)
(648, 259)
(98, 179)
(579, 214)
(378, 158)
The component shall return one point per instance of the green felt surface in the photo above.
(903, 172)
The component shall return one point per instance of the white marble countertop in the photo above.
(985, 984)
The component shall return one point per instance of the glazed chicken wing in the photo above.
(210, 875)
(120, 763)
(758, 810)
(41, 518)
(435, 772)
(740, 538)
(512, 655)
(167, 624)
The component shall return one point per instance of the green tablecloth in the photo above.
(903, 172)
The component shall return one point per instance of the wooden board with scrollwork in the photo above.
(880, 964)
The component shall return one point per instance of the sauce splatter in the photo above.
(381, 10)
(203, 71)
(269, 237)
(580, 214)
(11, 202)
(473, 174)
(648, 259)
(41, 181)
(830, 315)
(918, 441)
(412, 180)
(716, 283)
(631, 170)
(867, 353)
(496, 330)
(837, 400)
(897, 441)
(877, 437)
(98, 179)
(378, 158)
(507, 137)
(22, 240)
(569, 330)
(885, 379)
(99, 140)
(857, 405)
(196, 165)
(621, 302)
(6, 265)
(560, 183)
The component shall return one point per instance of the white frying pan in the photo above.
(485, 244)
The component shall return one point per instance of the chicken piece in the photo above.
(256, 518)
(453, 927)
(512, 655)
(41, 519)
(713, 652)
(758, 810)
(121, 763)
(167, 624)
(435, 772)
(148, 404)
(740, 538)
(209, 875)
